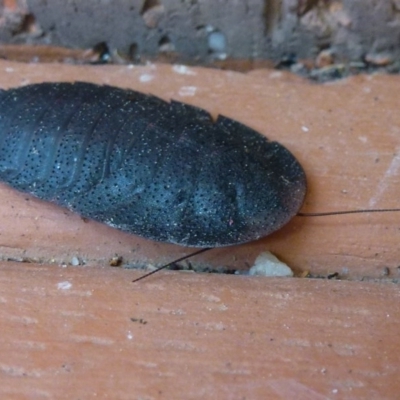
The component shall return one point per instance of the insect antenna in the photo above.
(299, 214)
(172, 262)
(324, 214)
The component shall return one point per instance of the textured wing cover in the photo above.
(164, 171)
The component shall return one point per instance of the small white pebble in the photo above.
(304, 129)
(187, 91)
(64, 285)
(275, 75)
(363, 139)
(217, 42)
(9, 69)
(267, 264)
(129, 335)
(183, 69)
(222, 56)
(146, 78)
(75, 261)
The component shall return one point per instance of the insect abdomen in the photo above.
(56, 143)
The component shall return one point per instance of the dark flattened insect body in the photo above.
(164, 171)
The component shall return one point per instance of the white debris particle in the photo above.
(267, 264)
(64, 285)
(187, 91)
(146, 78)
(183, 69)
(9, 69)
(129, 335)
(275, 75)
(363, 139)
(75, 261)
(217, 42)
(304, 129)
(151, 65)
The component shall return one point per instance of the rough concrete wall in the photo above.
(200, 30)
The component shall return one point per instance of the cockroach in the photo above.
(164, 171)
(161, 170)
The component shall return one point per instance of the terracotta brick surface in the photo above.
(88, 332)
(346, 135)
